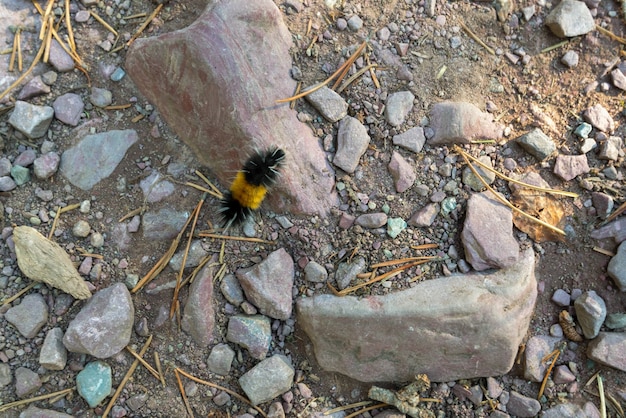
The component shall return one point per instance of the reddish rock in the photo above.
(216, 84)
(461, 123)
(569, 166)
(402, 172)
(199, 316)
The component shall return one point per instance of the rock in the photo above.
(619, 79)
(199, 315)
(231, 289)
(168, 69)
(425, 216)
(569, 166)
(53, 354)
(570, 18)
(471, 180)
(45, 261)
(95, 157)
(570, 59)
(163, 224)
(102, 328)
(413, 139)
(60, 60)
(402, 172)
(395, 226)
(430, 331)
(348, 270)
(7, 184)
(26, 382)
(329, 103)
(488, 233)
(538, 144)
(155, 187)
(352, 142)
(94, 382)
(34, 412)
(35, 87)
(68, 108)
(398, 106)
(562, 374)
(268, 379)
(603, 204)
(536, 349)
(608, 349)
(101, 97)
(615, 320)
(29, 316)
(220, 359)
(46, 166)
(599, 118)
(267, 285)
(315, 273)
(5, 375)
(196, 254)
(615, 229)
(522, 406)
(372, 220)
(610, 149)
(21, 175)
(617, 266)
(591, 313)
(31, 120)
(355, 23)
(461, 123)
(564, 410)
(561, 297)
(252, 333)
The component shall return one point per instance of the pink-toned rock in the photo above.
(402, 172)
(569, 166)
(216, 84)
(199, 316)
(461, 326)
(461, 123)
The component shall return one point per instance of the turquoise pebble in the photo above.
(386, 209)
(20, 174)
(94, 382)
(395, 226)
(118, 74)
(583, 130)
(448, 205)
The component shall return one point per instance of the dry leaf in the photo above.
(45, 261)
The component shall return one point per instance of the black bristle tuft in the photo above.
(262, 167)
(233, 212)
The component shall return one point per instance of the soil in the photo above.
(471, 74)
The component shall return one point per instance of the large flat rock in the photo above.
(216, 83)
(456, 327)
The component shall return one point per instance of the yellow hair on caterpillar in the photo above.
(248, 195)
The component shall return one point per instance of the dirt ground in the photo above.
(471, 75)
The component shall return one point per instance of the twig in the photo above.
(603, 251)
(216, 191)
(617, 212)
(369, 408)
(132, 213)
(103, 23)
(611, 35)
(228, 237)
(400, 261)
(145, 24)
(348, 64)
(44, 19)
(14, 51)
(144, 363)
(183, 394)
(476, 38)
(8, 406)
(157, 361)
(379, 278)
(345, 407)
(372, 72)
(602, 399)
(56, 217)
(118, 107)
(555, 46)
(19, 50)
(424, 246)
(355, 76)
(213, 385)
(68, 23)
(18, 294)
(554, 355)
(48, 41)
(129, 373)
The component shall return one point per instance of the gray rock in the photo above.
(413, 139)
(329, 103)
(617, 266)
(220, 359)
(195, 255)
(26, 382)
(355, 23)
(176, 63)
(430, 331)
(268, 285)
(348, 270)
(46, 166)
(199, 315)
(536, 349)
(31, 120)
(252, 333)
(402, 172)
(7, 184)
(68, 108)
(155, 187)
(615, 230)
(231, 289)
(608, 349)
(315, 273)
(267, 380)
(461, 123)
(398, 106)
(35, 87)
(587, 145)
(603, 204)
(425, 216)
(562, 374)
(101, 97)
(569, 167)
(5, 375)
(34, 412)
(561, 297)
(95, 157)
(570, 59)
(488, 233)
(53, 354)
(610, 149)
(471, 180)
(565, 410)
(60, 60)
(619, 79)
(522, 406)
(352, 142)
(599, 118)
(371, 220)
(590, 312)
(615, 320)
(570, 18)
(538, 144)
(29, 316)
(5, 166)
(104, 325)
(163, 224)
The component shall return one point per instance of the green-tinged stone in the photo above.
(615, 320)
(386, 209)
(94, 382)
(20, 174)
(448, 205)
(395, 226)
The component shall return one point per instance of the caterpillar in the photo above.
(569, 327)
(250, 185)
